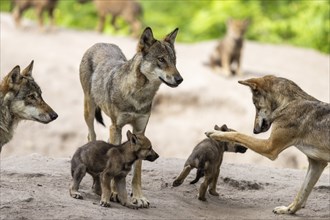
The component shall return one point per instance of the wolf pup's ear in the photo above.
(28, 70)
(14, 76)
(250, 83)
(216, 127)
(147, 39)
(224, 128)
(131, 137)
(170, 38)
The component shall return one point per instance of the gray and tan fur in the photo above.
(207, 157)
(131, 11)
(20, 99)
(124, 89)
(105, 162)
(297, 119)
(40, 6)
(229, 49)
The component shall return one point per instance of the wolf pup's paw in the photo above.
(104, 204)
(283, 210)
(176, 183)
(141, 202)
(213, 193)
(76, 195)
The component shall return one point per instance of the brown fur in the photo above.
(298, 119)
(207, 158)
(40, 6)
(131, 11)
(20, 99)
(106, 162)
(229, 49)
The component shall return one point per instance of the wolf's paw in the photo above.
(283, 210)
(213, 193)
(141, 202)
(104, 203)
(176, 183)
(209, 133)
(76, 195)
(131, 205)
(202, 198)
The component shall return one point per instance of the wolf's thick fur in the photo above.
(229, 49)
(207, 158)
(124, 89)
(40, 5)
(131, 11)
(105, 162)
(20, 99)
(298, 119)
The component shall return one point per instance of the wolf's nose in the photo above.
(178, 79)
(53, 116)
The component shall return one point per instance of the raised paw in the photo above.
(141, 202)
(104, 204)
(176, 183)
(209, 133)
(283, 210)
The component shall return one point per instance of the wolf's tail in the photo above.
(200, 171)
(98, 116)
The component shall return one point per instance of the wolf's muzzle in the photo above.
(152, 157)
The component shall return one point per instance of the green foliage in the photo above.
(303, 23)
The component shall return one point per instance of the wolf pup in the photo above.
(20, 98)
(207, 158)
(131, 11)
(105, 162)
(229, 49)
(298, 119)
(41, 6)
(124, 89)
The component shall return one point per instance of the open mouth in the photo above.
(169, 84)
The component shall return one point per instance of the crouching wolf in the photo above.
(20, 99)
(298, 119)
(229, 49)
(124, 89)
(105, 162)
(207, 158)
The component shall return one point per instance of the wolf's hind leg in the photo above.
(89, 114)
(77, 175)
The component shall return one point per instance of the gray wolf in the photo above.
(207, 158)
(297, 119)
(229, 49)
(40, 6)
(124, 89)
(131, 11)
(20, 99)
(105, 162)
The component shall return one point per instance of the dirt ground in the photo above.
(35, 186)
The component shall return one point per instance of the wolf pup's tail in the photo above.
(200, 171)
(98, 116)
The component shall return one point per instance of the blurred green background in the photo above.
(296, 22)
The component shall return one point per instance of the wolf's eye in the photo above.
(161, 59)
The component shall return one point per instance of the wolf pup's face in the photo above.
(264, 107)
(159, 59)
(142, 147)
(25, 97)
(237, 28)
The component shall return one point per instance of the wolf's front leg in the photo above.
(137, 196)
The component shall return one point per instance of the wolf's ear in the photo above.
(147, 39)
(250, 83)
(131, 137)
(28, 70)
(14, 76)
(224, 128)
(170, 38)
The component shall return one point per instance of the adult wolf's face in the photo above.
(159, 60)
(264, 107)
(25, 97)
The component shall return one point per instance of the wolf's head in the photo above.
(159, 59)
(237, 28)
(23, 96)
(142, 146)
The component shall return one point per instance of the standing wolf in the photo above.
(298, 119)
(124, 89)
(20, 98)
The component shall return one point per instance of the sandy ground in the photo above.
(35, 186)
